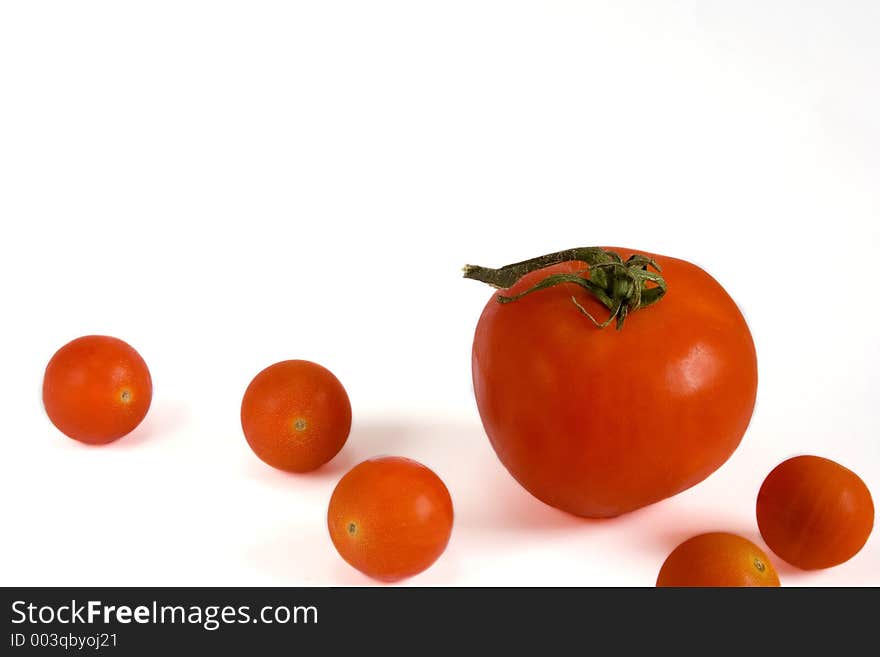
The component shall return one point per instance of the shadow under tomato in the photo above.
(674, 525)
(163, 418)
(256, 470)
(296, 556)
(499, 504)
(375, 437)
(668, 523)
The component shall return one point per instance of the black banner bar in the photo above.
(149, 621)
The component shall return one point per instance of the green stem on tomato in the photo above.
(619, 286)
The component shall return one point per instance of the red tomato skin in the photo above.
(717, 559)
(814, 513)
(402, 512)
(599, 422)
(288, 391)
(84, 386)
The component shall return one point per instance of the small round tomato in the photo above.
(97, 389)
(295, 415)
(717, 559)
(814, 513)
(390, 517)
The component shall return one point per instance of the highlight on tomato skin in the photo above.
(390, 518)
(97, 389)
(814, 513)
(296, 415)
(717, 559)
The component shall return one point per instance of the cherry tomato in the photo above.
(814, 513)
(390, 517)
(599, 421)
(296, 415)
(96, 389)
(717, 559)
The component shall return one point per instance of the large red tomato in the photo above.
(598, 421)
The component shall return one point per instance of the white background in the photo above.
(229, 184)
